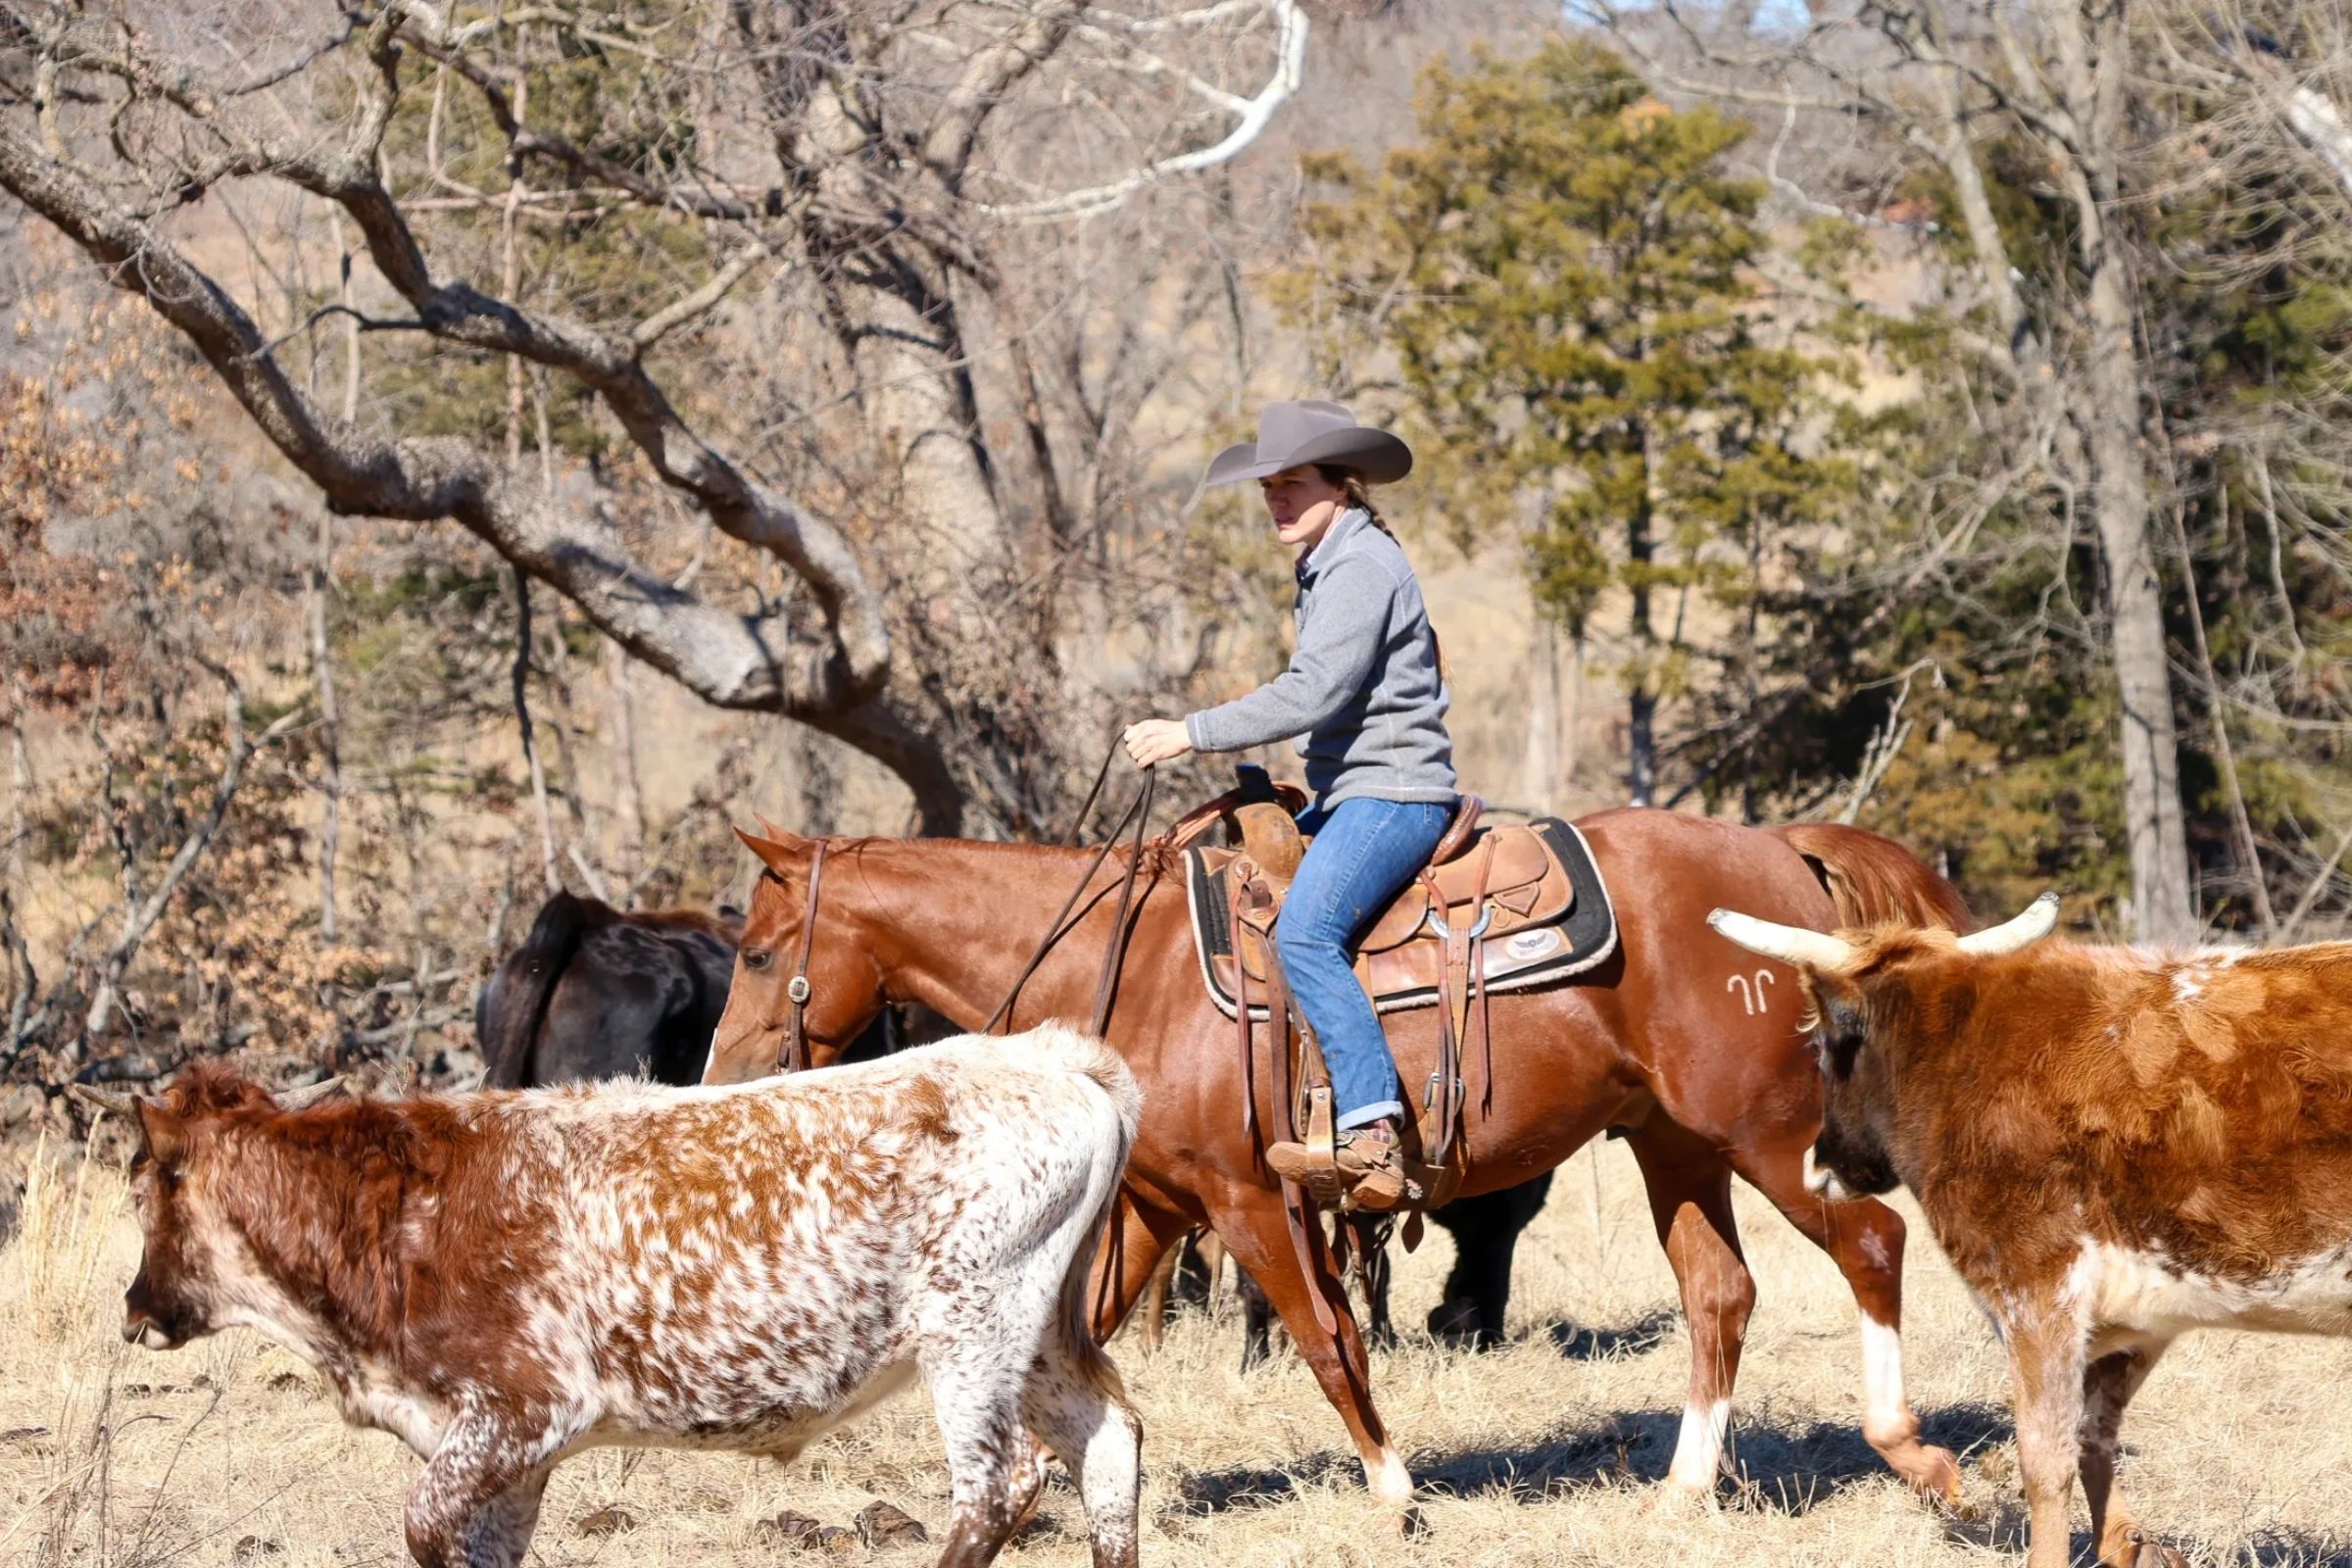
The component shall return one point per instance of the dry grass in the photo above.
(1545, 1453)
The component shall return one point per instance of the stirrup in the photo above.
(1347, 1177)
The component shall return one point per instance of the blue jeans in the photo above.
(1364, 851)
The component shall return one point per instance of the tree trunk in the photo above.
(2161, 906)
(2090, 119)
(1958, 155)
(330, 758)
(522, 674)
(1546, 741)
(1641, 752)
(628, 791)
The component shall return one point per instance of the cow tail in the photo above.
(1123, 1106)
(1873, 880)
(515, 1002)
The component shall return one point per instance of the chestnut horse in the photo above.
(1688, 1043)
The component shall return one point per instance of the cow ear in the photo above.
(781, 857)
(162, 1135)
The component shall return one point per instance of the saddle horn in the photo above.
(1790, 944)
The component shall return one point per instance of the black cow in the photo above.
(594, 992)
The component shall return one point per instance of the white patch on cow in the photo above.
(1822, 1183)
(1698, 1451)
(377, 1400)
(1873, 1248)
(2187, 986)
(2126, 1295)
(1887, 1414)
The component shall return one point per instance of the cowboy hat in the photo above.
(1291, 436)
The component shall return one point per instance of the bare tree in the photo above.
(880, 157)
(2055, 73)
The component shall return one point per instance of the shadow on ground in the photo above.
(1577, 1343)
(2006, 1533)
(1782, 1469)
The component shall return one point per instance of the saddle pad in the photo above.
(1584, 935)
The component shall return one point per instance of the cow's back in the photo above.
(740, 1266)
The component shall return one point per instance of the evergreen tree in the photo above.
(1564, 269)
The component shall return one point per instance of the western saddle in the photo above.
(1484, 883)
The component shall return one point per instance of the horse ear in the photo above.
(779, 835)
(778, 857)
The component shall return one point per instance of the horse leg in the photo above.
(1134, 1250)
(1154, 1304)
(1865, 1238)
(1690, 1189)
(1257, 1235)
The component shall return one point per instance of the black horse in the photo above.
(596, 993)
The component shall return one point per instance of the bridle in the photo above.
(793, 1054)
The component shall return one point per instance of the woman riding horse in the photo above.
(1365, 698)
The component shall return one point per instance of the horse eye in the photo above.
(758, 957)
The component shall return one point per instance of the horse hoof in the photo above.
(1681, 1499)
(1931, 1472)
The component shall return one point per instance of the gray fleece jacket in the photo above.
(1362, 693)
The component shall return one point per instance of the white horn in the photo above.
(308, 1093)
(1790, 944)
(2031, 926)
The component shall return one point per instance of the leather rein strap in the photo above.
(794, 1056)
(1138, 812)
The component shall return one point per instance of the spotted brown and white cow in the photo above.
(502, 1279)
(2113, 1146)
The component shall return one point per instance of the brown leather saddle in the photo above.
(1546, 914)
(1499, 907)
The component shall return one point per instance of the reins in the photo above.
(793, 1054)
(1138, 812)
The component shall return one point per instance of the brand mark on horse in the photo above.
(1752, 998)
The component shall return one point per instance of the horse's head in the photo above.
(845, 988)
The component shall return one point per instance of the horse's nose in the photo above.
(1817, 1178)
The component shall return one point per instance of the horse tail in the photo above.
(1872, 879)
(506, 1019)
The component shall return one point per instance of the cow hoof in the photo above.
(2142, 1552)
(1454, 1325)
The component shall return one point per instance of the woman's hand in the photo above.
(1156, 740)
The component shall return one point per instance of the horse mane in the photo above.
(1873, 880)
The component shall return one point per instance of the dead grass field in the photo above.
(226, 1452)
